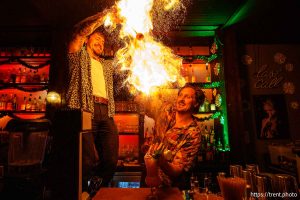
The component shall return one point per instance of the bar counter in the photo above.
(137, 194)
(142, 194)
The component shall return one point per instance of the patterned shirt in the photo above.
(80, 91)
(184, 142)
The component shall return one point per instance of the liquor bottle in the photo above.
(203, 147)
(15, 104)
(9, 102)
(209, 154)
(212, 135)
(191, 53)
(206, 134)
(35, 52)
(43, 78)
(39, 104)
(46, 78)
(208, 75)
(29, 103)
(193, 79)
(13, 76)
(192, 182)
(23, 76)
(212, 103)
(29, 76)
(44, 105)
(219, 144)
(23, 104)
(206, 105)
(178, 51)
(6, 77)
(34, 105)
(19, 75)
(36, 78)
(2, 102)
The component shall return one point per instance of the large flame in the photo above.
(150, 63)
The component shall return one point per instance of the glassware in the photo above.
(253, 167)
(192, 182)
(235, 170)
(232, 188)
(152, 179)
(207, 181)
(248, 176)
(287, 184)
(221, 174)
(263, 185)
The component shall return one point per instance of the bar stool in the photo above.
(25, 173)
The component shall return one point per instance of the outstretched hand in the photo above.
(156, 149)
(113, 13)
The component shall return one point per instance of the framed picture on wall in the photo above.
(271, 117)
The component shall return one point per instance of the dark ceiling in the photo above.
(264, 17)
(49, 12)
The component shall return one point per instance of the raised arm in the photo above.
(83, 29)
(86, 27)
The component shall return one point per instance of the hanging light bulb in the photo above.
(53, 98)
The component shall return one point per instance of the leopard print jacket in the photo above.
(80, 92)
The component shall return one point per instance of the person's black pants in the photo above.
(106, 141)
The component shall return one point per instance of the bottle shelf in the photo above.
(26, 57)
(208, 112)
(24, 76)
(21, 111)
(26, 87)
(21, 84)
(24, 114)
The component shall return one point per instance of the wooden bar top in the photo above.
(137, 194)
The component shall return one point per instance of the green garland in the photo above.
(210, 58)
(213, 116)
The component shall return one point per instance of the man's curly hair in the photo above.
(199, 95)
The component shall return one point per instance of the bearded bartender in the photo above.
(91, 88)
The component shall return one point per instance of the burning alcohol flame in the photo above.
(150, 63)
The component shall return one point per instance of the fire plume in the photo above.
(149, 62)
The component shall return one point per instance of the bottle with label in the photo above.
(191, 53)
(39, 104)
(2, 102)
(9, 102)
(209, 151)
(19, 75)
(6, 76)
(15, 104)
(34, 105)
(36, 78)
(202, 108)
(44, 105)
(208, 75)
(43, 78)
(206, 105)
(212, 135)
(193, 78)
(212, 104)
(23, 104)
(13, 75)
(29, 77)
(23, 76)
(29, 103)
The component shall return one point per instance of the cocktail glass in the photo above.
(152, 178)
(232, 188)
